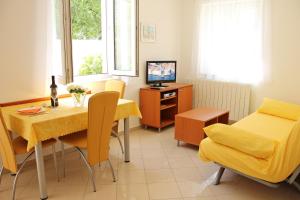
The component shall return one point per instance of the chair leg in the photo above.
(297, 185)
(294, 175)
(120, 142)
(293, 179)
(55, 161)
(62, 149)
(1, 171)
(90, 170)
(219, 175)
(112, 171)
(121, 145)
(18, 173)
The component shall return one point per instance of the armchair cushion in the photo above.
(280, 109)
(247, 142)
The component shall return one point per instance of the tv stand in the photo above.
(159, 85)
(159, 106)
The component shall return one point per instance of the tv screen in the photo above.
(161, 71)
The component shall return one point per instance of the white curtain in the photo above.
(54, 59)
(229, 40)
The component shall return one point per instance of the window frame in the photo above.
(135, 71)
(110, 43)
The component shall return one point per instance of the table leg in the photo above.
(41, 171)
(126, 139)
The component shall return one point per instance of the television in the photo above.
(158, 72)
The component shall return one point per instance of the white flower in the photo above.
(73, 88)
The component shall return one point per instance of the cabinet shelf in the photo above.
(164, 107)
(167, 98)
(166, 122)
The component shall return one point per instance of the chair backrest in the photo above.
(115, 85)
(101, 112)
(7, 153)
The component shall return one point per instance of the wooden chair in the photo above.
(101, 111)
(9, 148)
(118, 86)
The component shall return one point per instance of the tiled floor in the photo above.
(158, 170)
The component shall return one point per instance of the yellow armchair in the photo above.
(264, 146)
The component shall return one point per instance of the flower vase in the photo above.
(78, 99)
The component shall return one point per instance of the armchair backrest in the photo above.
(7, 153)
(101, 112)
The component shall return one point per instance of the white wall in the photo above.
(23, 47)
(282, 78)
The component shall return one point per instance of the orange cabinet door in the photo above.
(185, 96)
(150, 107)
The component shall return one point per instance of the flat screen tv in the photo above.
(158, 72)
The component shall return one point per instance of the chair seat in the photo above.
(77, 139)
(20, 145)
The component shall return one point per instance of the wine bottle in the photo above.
(54, 98)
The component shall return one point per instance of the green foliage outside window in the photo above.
(92, 65)
(86, 25)
(86, 19)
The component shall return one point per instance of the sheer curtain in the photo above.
(229, 40)
(54, 40)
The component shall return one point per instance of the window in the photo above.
(125, 37)
(230, 44)
(88, 43)
(100, 37)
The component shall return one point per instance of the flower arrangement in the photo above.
(78, 93)
(78, 89)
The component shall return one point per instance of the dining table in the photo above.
(54, 122)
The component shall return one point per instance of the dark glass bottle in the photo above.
(54, 98)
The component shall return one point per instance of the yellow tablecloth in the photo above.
(59, 121)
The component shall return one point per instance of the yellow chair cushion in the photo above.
(280, 109)
(78, 139)
(241, 140)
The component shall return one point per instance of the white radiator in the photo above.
(222, 95)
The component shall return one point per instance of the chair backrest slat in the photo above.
(7, 153)
(101, 111)
(115, 85)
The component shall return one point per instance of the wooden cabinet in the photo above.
(159, 110)
(185, 95)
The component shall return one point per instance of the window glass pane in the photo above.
(88, 42)
(125, 35)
